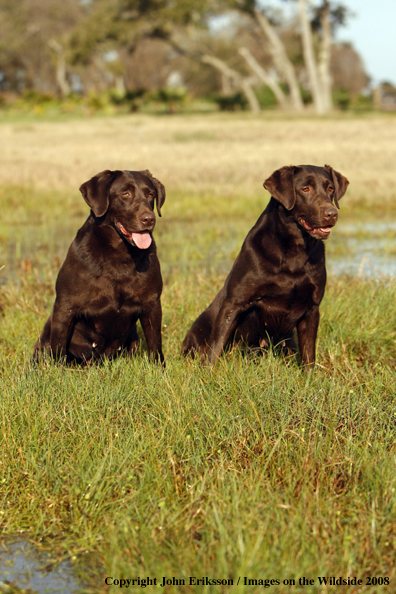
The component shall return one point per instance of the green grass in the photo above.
(251, 468)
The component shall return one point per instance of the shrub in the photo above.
(231, 102)
(341, 99)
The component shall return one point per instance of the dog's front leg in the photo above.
(151, 323)
(307, 330)
(62, 326)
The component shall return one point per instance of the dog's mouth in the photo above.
(317, 232)
(140, 239)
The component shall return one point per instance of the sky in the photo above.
(372, 32)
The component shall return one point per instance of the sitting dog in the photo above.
(111, 276)
(278, 279)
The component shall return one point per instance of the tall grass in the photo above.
(248, 469)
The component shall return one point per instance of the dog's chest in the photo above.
(284, 297)
(113, 314)
(281, 308)
(119, 300)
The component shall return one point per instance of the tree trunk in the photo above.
(245, 83)
(263, 75)
(309, 59)
(324, 58)
(247, 88)
(61, 79)
(281, 60)
(226, 84)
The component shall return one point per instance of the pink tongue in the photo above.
(142, 240)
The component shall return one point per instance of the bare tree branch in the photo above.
(324, 58)
(265, 76)
(309, 59)
(61, 79)
(280, 58)
(246, 83)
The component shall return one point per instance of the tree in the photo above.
(317, 23)
(123, 25)
(266, 77)
(32, 40)
(325, 17)
(310, 62)
(249, 12)
(244, 82)
(279, 55)
(127, 22)
(347, 70)
(48, 41)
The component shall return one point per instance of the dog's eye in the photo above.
(306, 189)
(125, 194)
(330, 189)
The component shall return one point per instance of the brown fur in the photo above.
(107, 283)
(278, 279)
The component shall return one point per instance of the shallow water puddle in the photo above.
(29, 568)
(359, 249)
(364, 250)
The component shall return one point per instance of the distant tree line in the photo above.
(232, 48)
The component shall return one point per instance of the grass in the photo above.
(251, 469)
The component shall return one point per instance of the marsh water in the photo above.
(363, 249)
(24, 567)
(360, 249)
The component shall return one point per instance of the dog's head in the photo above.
(125, 200)
(310, 192)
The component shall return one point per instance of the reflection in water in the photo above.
(28, 568)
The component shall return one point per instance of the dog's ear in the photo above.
(161, 195)
(96, 192)
(340, 184)
(281, 186)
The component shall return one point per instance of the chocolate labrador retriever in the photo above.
(111, 276)
(278, 279)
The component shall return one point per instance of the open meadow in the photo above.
(250, 469)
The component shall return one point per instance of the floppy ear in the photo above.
(160, 190)
(96, 192)
(281, 186)
(340, 184)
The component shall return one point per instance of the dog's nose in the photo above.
(330, 215)
(147, 219)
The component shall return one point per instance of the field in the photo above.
(248, 469)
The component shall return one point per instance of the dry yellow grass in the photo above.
(223, 153)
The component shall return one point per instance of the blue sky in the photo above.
(372, 31)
